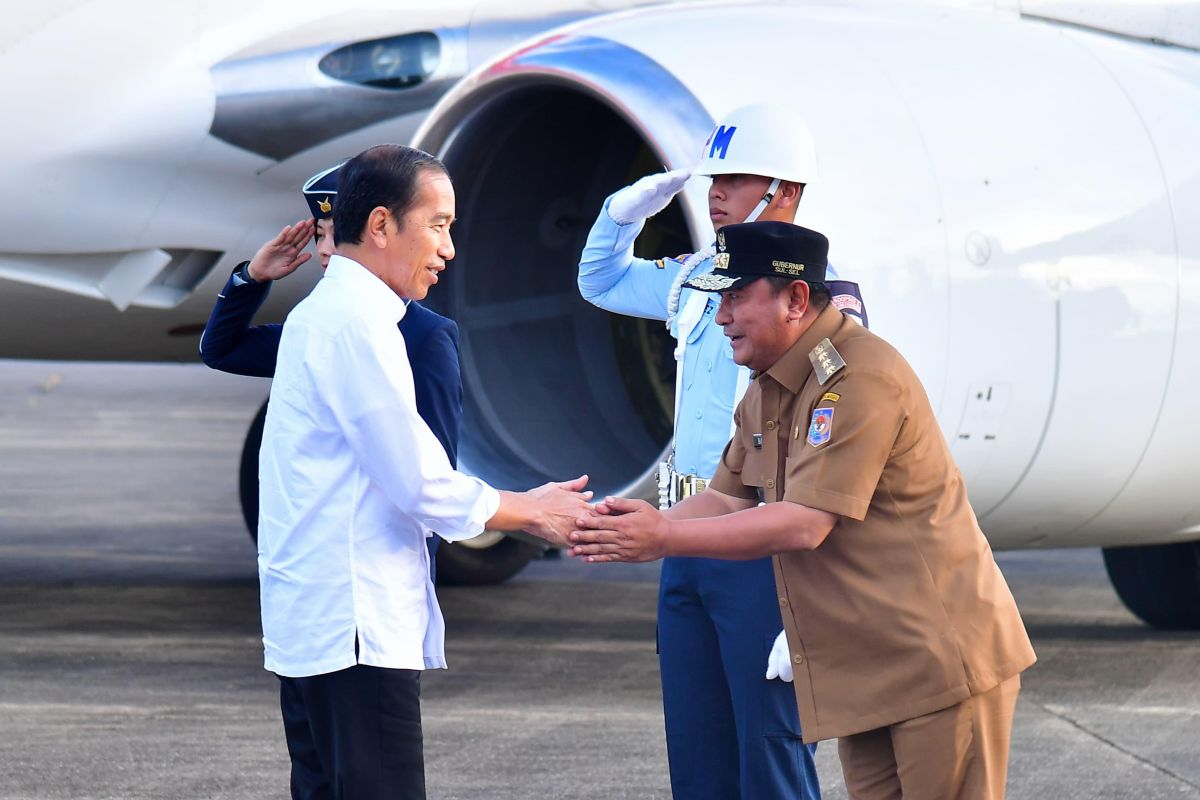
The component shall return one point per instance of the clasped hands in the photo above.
(620, 529)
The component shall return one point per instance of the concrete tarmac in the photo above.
(131, 661)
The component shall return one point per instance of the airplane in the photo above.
(149, 148)
(1010, 183)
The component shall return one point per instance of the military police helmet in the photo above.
(767, 140)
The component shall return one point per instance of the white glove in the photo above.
(779, 663)
(646, 197)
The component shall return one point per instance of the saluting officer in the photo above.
(730, 731)
(906, 642)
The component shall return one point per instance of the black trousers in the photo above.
(355, 734)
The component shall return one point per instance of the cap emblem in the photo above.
(325, 205)
(721, 261)
(721, 241)
(711, 282)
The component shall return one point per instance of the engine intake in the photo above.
(554, 386)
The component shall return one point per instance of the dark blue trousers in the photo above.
(355, 734)
(731, 733)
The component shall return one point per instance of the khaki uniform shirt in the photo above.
(901, 611)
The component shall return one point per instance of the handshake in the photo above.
(617, 529)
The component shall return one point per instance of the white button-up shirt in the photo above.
(351, 482)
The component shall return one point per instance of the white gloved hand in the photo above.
(779, 663)
(647, 196)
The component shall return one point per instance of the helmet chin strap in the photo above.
(766, 200)
(694, 260)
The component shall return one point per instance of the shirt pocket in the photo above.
(754, 468)
(702, 319)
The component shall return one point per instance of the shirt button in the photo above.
(770, 483)
(699, 414)
(783, 602)
(770, 424)
(799, 659)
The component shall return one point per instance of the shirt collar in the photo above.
(793, 367)
(347, 270)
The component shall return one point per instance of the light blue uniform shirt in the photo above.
(611, 278)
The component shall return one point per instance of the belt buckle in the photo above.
(689, 485)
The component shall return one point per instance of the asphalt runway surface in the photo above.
(131, 661)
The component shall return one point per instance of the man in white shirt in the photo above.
(352, 481)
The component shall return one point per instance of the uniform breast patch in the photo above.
(821, 427)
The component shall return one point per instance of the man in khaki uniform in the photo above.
(906, 642)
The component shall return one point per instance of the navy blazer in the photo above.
(231, 344)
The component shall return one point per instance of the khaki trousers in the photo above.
(958, 753)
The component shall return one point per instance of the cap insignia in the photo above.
(721, 240)
(325, 206)
(721, 261)
(711, 282)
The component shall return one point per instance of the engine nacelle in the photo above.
(1010, 195)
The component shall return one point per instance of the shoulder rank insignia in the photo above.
(821, 427)
(826, 360)
(677, 261)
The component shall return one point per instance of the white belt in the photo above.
(674, 486)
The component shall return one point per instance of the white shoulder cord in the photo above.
(685, 272)
(694, 260)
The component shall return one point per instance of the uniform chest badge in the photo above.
(821, 427)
